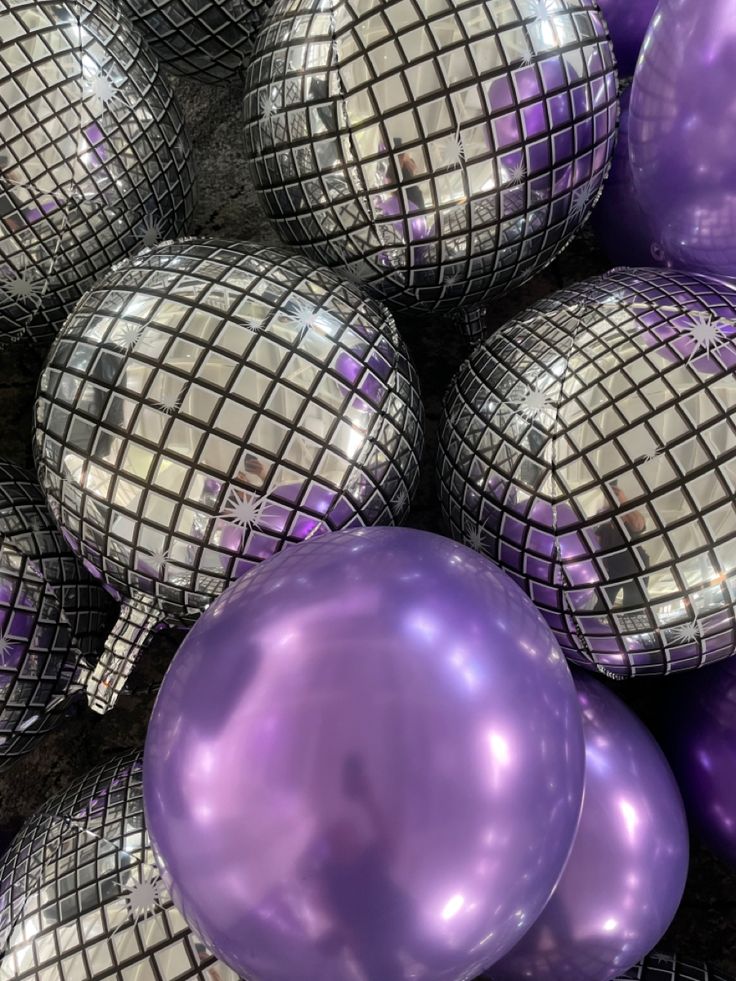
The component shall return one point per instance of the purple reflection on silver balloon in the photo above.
(366, 760)
(683, 133)
(587, 447)
(445, 152)
(625, 877)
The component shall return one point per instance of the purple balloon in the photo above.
(365, 761)
(626, 874)
(620, 225)
(627, 21)
(682, 133)
(702, 748)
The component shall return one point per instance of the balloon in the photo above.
(621, 227)
(366, 761)
(626, 873)
(701, 742)
(81, 899)
(670, 967)
(95, 160)
(209, 39)
(682, 134)
(587, 447)
(206, 404)
(627, 21)
(51, 616)
(443, 153)
(659, 966)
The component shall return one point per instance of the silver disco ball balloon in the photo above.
(670, 967)
(94, 159)
(51, 615)
(589, 447)
(206, 404)
(81, 898)
(442, 153)
(209, 39)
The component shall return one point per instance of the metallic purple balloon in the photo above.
(682, 133)
(702, 748)
(626, 874)
(620, 225)
(627, 21)
(365, 761)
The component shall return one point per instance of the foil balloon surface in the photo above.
(208, 39)
(206, 404)
(365, 763)
(660, 966)
(81, 899)
(589, 447)
(442, 153)
(94, 158)
(52, 616)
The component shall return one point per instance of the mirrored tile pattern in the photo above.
(210, 402)
(442, 151)
(51, 614)
(80, 896)
(589, 447)
(94, 159)
(209, 39)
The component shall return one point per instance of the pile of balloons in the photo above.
(379, 753)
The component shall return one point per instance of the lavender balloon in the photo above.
(366, 760)
(702, 746)
(628, 21)
(620, 225)
(683, 133)
(626, 874)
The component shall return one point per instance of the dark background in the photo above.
(704, 926)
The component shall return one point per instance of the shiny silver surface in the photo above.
(208, 403)
(80, 896)
(209, 39)
(589, 447)
(94, 159)
(51, 614)
(441, 151)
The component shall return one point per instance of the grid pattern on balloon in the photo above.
(80, 894)
(26, 524)
(37, 661)
(590, 448)
(441, 152)
(669, 967)
(208, 403)
(94, 161)
(206, 38)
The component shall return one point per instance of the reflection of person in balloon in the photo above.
(619, 564)
(371, 915)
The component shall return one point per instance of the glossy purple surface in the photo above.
(702, 749)
(683, 133)
(625, 877)
(627, 21)
(366, 760)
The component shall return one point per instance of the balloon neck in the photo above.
(473, 324)
(123, 647)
